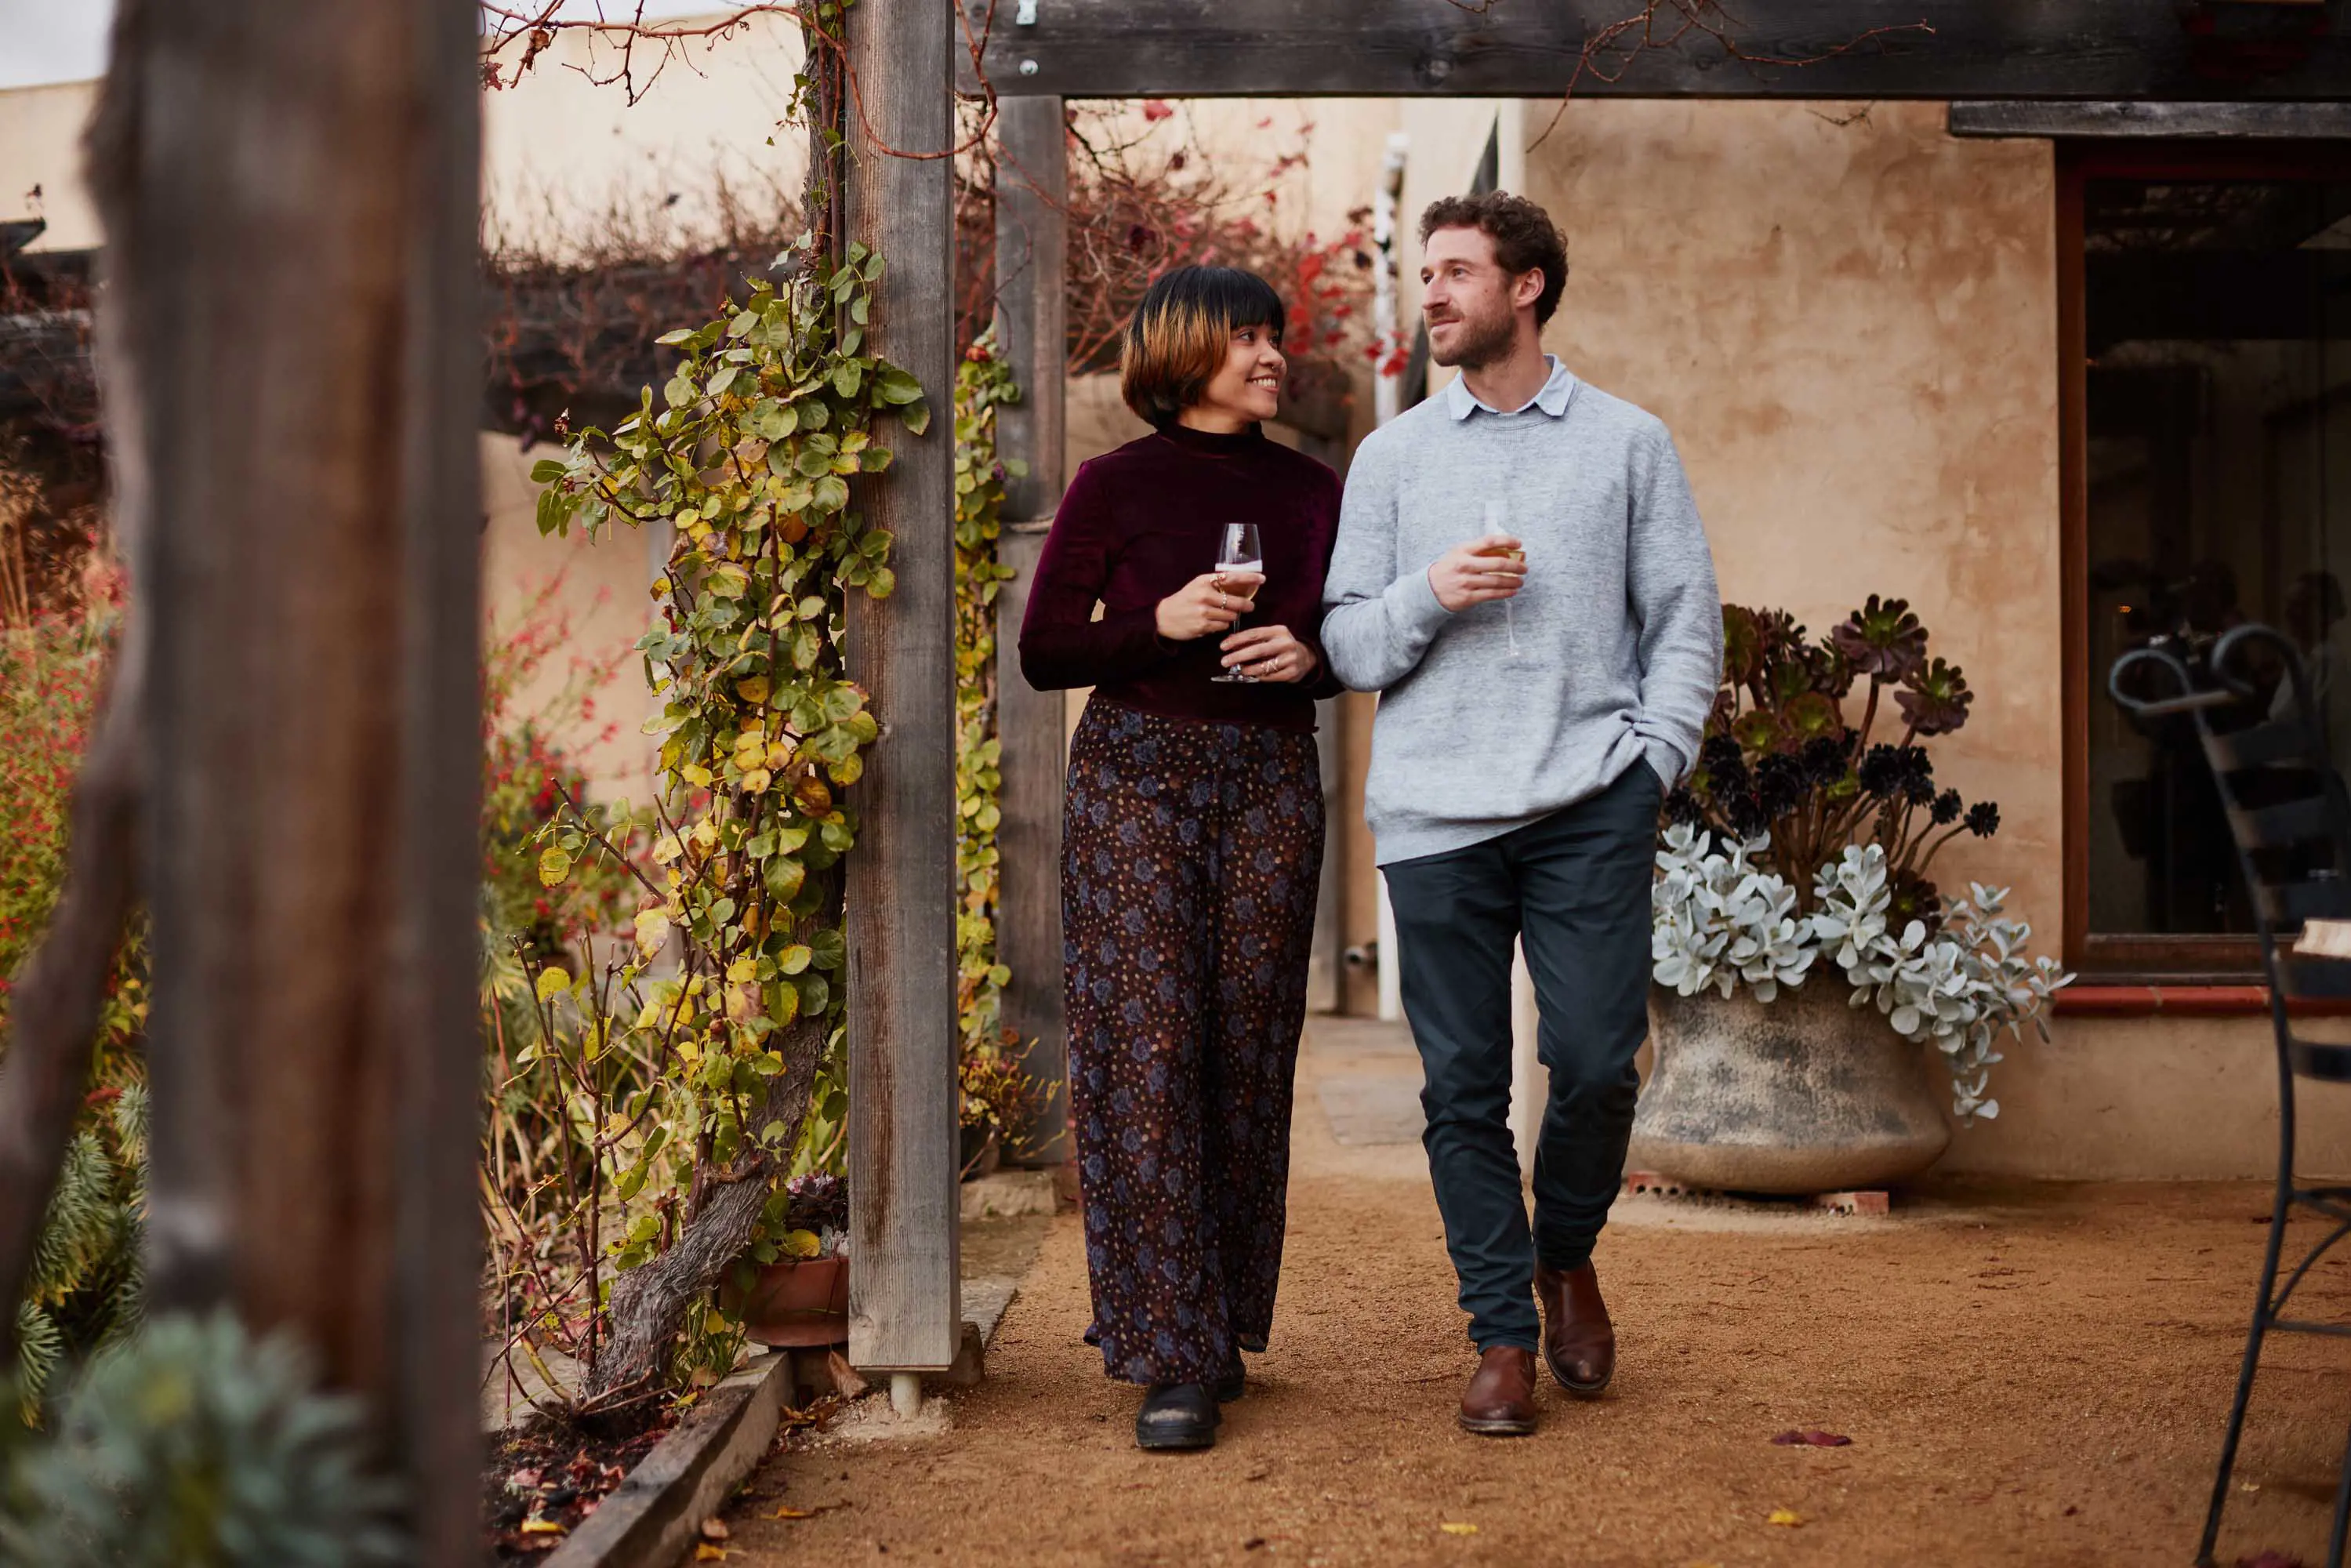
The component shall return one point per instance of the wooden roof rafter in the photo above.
(2204, 50)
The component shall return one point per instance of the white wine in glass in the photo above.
(1240, 552)
(1493, 525)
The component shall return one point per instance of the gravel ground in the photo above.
(2028, 1375)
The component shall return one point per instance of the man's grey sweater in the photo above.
(1619, 626)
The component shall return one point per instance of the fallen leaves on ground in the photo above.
(542, 1527)
(1453, 1528)
(1815, 1438)
(705, 1552)
(1787, 1515)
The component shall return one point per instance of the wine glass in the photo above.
(1494, 525)
(1240, 552)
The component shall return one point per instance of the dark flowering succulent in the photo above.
(1782, 757)
(1934, 697)
(1882, 639)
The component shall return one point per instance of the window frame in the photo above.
(2149, 957)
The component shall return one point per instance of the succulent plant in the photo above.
(194, 1445)
(1783, 760)
(1882, 639)
(1958, 982)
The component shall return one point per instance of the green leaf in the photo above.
(897, 386)
(830, 948)
(882, 583)
(783, 876)
(546, 471)
(917, 417)
(832, 493)
(845, 379)
(795, 958)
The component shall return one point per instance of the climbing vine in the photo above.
(695, 1047)
(995, 1094)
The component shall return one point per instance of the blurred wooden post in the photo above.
(1032, 323)
(291, 197)
(905, 1311)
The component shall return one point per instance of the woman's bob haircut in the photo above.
(1182, 331)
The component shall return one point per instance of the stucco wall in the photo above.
(40, 152)
(1848, 319)
(599, 593)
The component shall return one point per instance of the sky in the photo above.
(44, 41)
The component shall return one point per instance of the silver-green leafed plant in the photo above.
(193, 1445)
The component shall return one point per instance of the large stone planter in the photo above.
(1804, 1094)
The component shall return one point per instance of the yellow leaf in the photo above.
(694, 773)
(757, 779)
(667, 849)
(1787, 1515)
(705, 1552)
(652, 929)
(803, 1243)
(537, 1526)
(754, 690)
(783, 1511)
(554, 865)
(705, 833)
(1453, 1528)
(552, 983)
(742, 969)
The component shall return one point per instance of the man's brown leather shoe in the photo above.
(1579, 1342)
(1501, 1400)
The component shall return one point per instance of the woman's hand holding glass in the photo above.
(1207, 604)
(1268, 654)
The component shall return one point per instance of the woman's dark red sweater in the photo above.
(1139, 523)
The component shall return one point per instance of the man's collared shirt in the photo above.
(1461, 403)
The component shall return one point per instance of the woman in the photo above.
(1192, 837)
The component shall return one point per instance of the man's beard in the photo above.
(1480, 342)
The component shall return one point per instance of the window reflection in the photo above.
(2219, 468)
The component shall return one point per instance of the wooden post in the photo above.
(904, 1314)
(291, 195)
(1032, 325)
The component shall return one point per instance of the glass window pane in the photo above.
(2219, 464)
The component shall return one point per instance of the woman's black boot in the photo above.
(1234, 1383)
(1176, 1416)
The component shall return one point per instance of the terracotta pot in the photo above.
(801, 1301)
(1804, 1094)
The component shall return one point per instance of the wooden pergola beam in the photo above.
(2118, 49)
(2191, 121)
(1032, 325)
(904, 1301)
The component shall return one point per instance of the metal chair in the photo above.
(2288, 812)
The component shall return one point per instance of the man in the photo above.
(1532, 712)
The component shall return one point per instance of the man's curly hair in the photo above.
(1523, 235)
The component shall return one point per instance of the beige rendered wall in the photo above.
(40, 152)
(600, 592)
